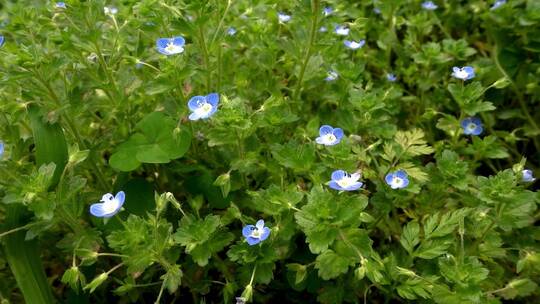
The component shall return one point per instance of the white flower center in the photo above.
(346, 181)
(396, 181)
(330, 138)
(110, 204)
(256, 233)
(462, 74)
(471, 126)
(172, 48)
(204, 109)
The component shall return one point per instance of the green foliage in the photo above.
(89, 107)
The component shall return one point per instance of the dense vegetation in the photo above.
(267, 151)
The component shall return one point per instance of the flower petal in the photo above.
(179, 41)
(213, 99)
(401, 174)
(120, 197)
(338, 174)
(246, 231)
(195, 102)
(97, 210)
(259, 224)
(338, 133)
(162, 43)
(334, 185)
(265, 233)
(194, 116)
(253, 241)
(325, 129)
(354, 186)
(388, 178)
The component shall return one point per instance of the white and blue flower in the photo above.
(429, 5)
(110, 10)
(2, 39)
(377, 10)
(231, 31)
(397, 179)
(498, 4)
(202, 107)
(342, 30)
(329, 136)
(1, 149)
(332, 75)
(170, 46)
(61, 5)
(391, 77)
(283, 18)
(527, 176)
(353, 45)
(472, 126)
(255, 234)
(464, 73)
(327, 11)
(343, 181)
(109, 206)
(323, 29)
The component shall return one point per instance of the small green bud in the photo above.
(96, 282)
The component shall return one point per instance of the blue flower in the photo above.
(170, 46)
(110, 10)
(391, 77)
(256, 234)
(528, 176)
(203, 107)
(341, 30)
(429, 5)
(323, 29)
(60, 5)
(377, 10)
(109, 206)
(497, 4)
(1, 149)
(397, 179)
(283, 18)
(472, 126)
(2, 39)
(464, 73)
(332, 75)
(327, 11)
(329, 136)
(344, 181)
(353, 45)
(231, 31)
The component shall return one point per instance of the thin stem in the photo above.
(220, 24)
(252, 275)
(206, 57)
(18, 229)
(160, 292)
(307, 56)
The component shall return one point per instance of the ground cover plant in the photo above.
(163, 151)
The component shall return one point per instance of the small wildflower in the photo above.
(464, 73)
(377, 10)
(472, 126)
(344, 181)
(283, 18)
(323, 29)
(231, 31)
(61, 5)
(341, 30)
(170, 46)
(429, 5)
(329, 136)
(1, 149)
(332, 75)
(498, 4)
(110, 10)
(2, 39)
(240, 300)
(109, 206)
(202, 107)
(256, 234)
(527, 176)
(391, 77)
(353, 45)
(397, 179)
(92, 57)
(327, 11)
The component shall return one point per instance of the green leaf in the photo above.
(294, 155)
(173, 278)
(160, 140)
(518, 288)
(331, 265)
(410, 236)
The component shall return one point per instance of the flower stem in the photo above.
(307, 56)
